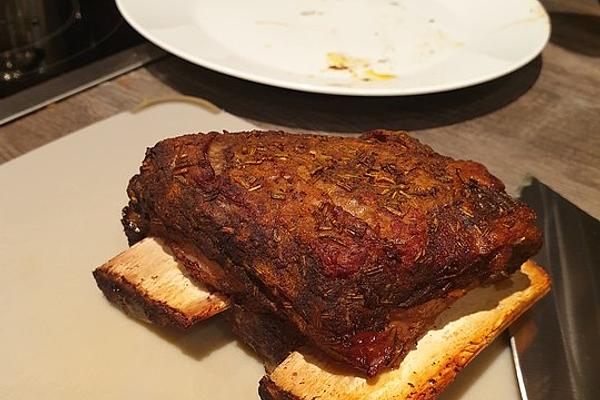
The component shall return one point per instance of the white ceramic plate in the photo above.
(59, 337)
(348, 47)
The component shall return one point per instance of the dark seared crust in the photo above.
(433, 365)
(271, 338)
(340, 236)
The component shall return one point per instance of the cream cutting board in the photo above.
(60, 207)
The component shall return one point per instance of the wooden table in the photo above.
(542, 120)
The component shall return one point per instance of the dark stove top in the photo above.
(40, 39)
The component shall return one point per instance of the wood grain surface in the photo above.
(542, 120)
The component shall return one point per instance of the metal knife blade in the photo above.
(556, 345)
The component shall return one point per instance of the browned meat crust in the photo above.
(271, 338)
(343, 237)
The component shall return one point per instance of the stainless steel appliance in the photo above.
(50, 49)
